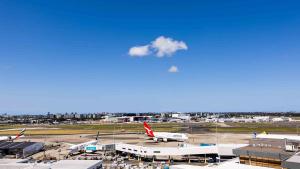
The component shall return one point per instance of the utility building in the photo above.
(268, 152)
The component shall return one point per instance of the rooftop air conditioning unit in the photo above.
(291, 148)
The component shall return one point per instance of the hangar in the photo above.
(20, 149)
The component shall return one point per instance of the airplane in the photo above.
(164, 136)
(81, 147)
(265, 135)
(12, 138)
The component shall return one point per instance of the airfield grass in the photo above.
(258, 128)
(88, 128)
(138, 128)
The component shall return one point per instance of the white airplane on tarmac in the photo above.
(81, 147)
(12, 138)
(265, 135)
(164, 136)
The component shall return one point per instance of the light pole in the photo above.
(114, 132)
(217, 140)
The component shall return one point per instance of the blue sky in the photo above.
(64, 56)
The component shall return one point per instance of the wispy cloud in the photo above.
(6, 67)
(173, 69)
(161, 46)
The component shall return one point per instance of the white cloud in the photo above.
(167, 46)
(161, 46)
(139, 51)
(173, 69)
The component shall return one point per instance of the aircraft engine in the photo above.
(155, 139)
(165, 139)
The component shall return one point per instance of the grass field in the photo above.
(258, 127)
(138, 128)
(257, 130)
(89, 129)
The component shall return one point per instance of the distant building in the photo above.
(281, 119)
(140, 118)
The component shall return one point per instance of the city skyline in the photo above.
(155, 56)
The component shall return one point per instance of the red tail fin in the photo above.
(20, 134)
(149, 132)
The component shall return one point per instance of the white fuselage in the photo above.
(279, 136)
(8, 138)
(165, 136)
(81, 147)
